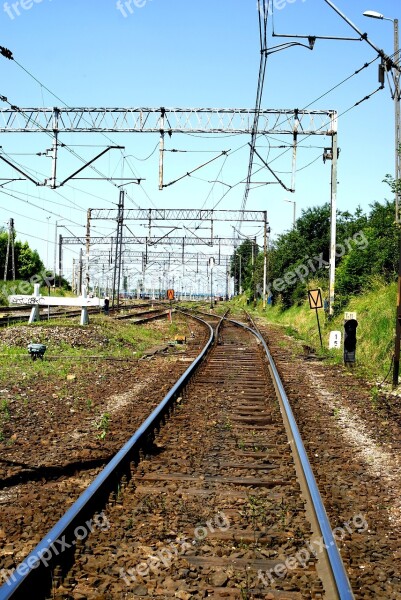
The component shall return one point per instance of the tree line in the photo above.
(27, 261)
(367, 249)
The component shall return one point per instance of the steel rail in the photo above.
(7, 319)
(139, 317)
(33, 577)
(339, 574)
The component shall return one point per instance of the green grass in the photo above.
(123, 341)
(375, 334)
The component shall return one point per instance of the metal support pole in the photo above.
(8, 251)
(397, 94)
(264, 259)
(60, 259)
(294, 151)
(240, 274)
(79, 291)
(397, 343)
(88, 241)
(55, 256)
(318, 326)
(74, 276)
(227, 274)
(118, 250)
(253, 268)
(12, 248)
(333, 216)
(211, 287)
(161, 151)
(53, 180)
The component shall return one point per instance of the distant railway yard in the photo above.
(126, 475)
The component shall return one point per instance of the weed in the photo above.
(245, 590)
(374, 398)
(103, 425)
(336, 412)
(227, 425)
(4, 410)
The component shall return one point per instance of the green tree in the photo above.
(242, 266)
(28, 262)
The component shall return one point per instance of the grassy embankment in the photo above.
(375, 334)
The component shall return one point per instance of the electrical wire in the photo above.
(263, 11)
(262, 35)
(39, 207)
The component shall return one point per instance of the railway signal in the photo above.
(350, 327)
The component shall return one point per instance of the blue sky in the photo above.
(180, 53)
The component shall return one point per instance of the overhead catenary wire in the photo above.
(228, 136)
(263, 12)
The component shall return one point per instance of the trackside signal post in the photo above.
(170, 296)
(316, 302)
(350, 326)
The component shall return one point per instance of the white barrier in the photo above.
(36, 300)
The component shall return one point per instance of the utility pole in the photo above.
(10, 245)
(394, 65)
(80, 273)
(211, 265)
(74, 285)
(397, 98)
(265, 232)
(161, 152)
(333, 215)
(240, 274)
(88, 241)
(118, 250)
(55, 255)
(253, 268)
(227, 274)
(60, 259)
(53, 180)
(397, 93)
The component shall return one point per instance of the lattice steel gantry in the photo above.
(294, 122)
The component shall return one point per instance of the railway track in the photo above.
(20, 314)
(144, 316)
(214, 502)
